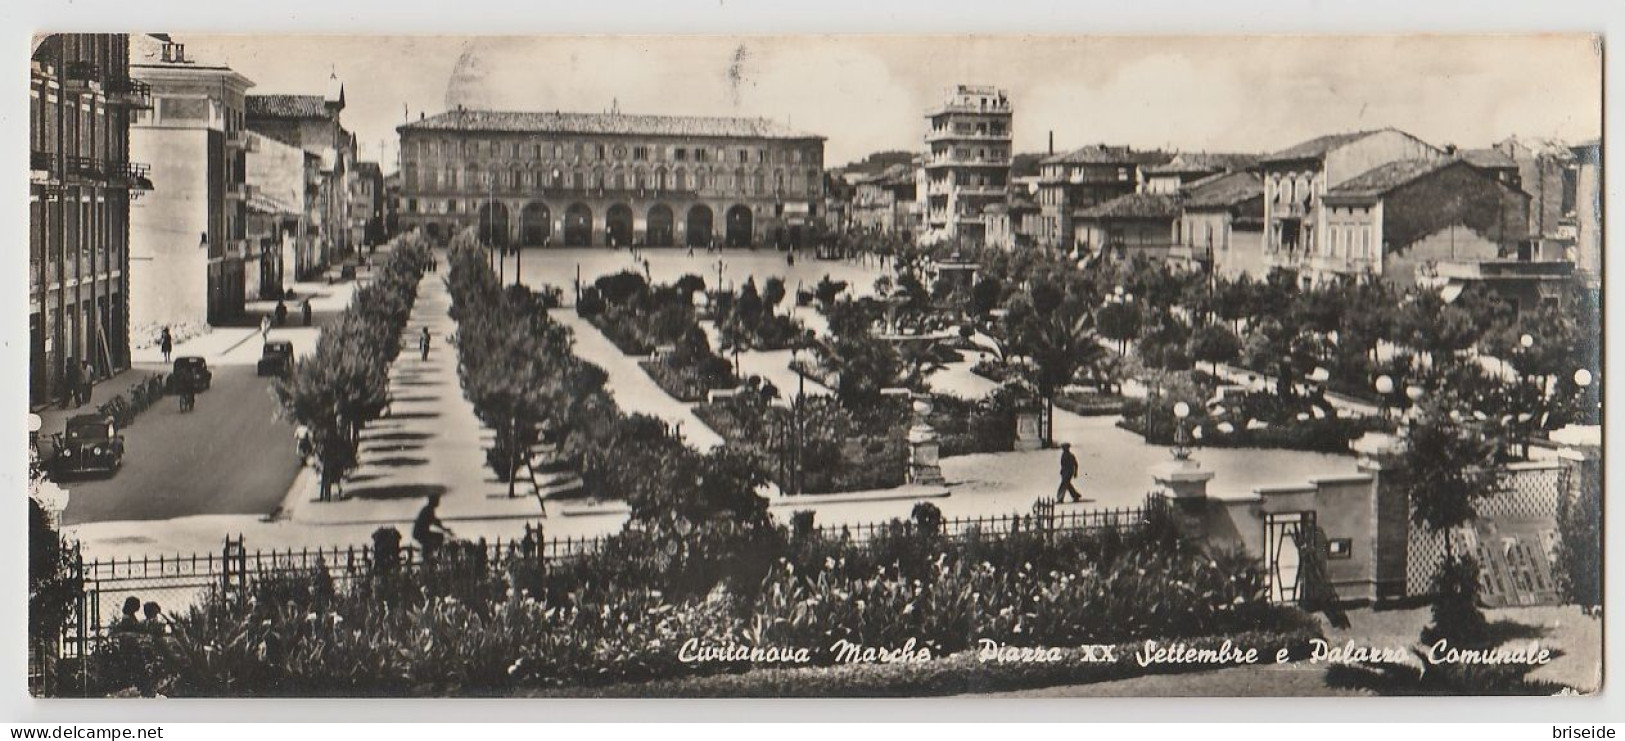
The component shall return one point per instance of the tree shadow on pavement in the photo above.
(398, 461)
(395, 491)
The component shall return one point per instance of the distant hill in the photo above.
(879, 161)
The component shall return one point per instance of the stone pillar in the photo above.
(923, 467)
(1029, 430)
(1185, 479)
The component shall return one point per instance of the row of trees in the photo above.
(334, 392)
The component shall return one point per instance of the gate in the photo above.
(1288, 558)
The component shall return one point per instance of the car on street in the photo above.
(191, 373)
(90, 444)
(276, 358)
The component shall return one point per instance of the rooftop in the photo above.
(1378, 181)
(1318, 147)
(558, 122)
(1101, 154)
(286, 106)
(1133, 206)
(1197, 162)
(1490, 159)
(1225, 191)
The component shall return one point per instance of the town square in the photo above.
(609, 391)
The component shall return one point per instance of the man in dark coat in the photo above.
(1069, 471)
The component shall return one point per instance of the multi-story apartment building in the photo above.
(1295, 179)
(313, 123)
(967, 163)
(81, 182)
(188, 239)
(1588, 257)
(553, 178)
(1081, 179)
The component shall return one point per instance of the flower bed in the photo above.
(690, 382)
(1098, 405)
(604, 623)
(840, 452)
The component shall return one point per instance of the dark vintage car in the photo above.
(91, 444)
(276, 359)
(191, 373)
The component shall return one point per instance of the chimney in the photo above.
(420, 115)
(1052, 141)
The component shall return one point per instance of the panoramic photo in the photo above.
(814, 366)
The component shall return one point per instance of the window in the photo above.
(640, 153)
(701, 155)
(620, 152)
(795, 156)
(601, 150)
(536, 151)
(680, 154)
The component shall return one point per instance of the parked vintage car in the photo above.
(90, 444)
(276, 358)
(191, 373)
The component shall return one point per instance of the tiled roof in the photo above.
(1133, 206)
(368, 170)
(286, 106)
(1491, 159)
(1375, 182)
(1318, 146)
(1185, 162)
(1101, 154)
(1225, 191)
(605, 123)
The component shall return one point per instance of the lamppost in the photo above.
(798, 416)
(1181, 449)
(1385, 391)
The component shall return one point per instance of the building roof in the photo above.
(1198, 162)
(1318, 147)
(1489, 159)
(1383, 178)
(147, 50)
(286, 106)
(1225, 191)
(1133, 206)
(559, 122)
(369, 170)
(1102, 154)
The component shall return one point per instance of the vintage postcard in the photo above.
(814, 366)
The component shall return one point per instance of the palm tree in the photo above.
(1060, 347)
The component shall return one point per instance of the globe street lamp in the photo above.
(1181, 449)
(1385, 391)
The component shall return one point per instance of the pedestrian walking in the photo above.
(304, 309)
(265, 327)
(87, 380)
(423, 343)
(281, 313)
(1069, 471)
(76, 384)
(166, 343)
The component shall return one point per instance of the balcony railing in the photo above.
(240, 191)
(130, 174)
(951, 133)
(88, 167)
(129, 92)
(82, 71)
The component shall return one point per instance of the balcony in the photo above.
(80, 73)
(240, 139)
(129, 174)
(129, 93)
(85, 167)
(41, 161)
(950, 133)
(948, 160)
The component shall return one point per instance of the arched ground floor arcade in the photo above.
(574, 221)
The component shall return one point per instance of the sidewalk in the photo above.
(430, 443)
(632, 388)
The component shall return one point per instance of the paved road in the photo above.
(229, 456)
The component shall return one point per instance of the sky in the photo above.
(869, 93)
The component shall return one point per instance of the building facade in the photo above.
(1084, 178)
(282, 213)
(81, 182)
(1398, 221)
(967, 163)
(531, 179)
(188, 240)
(314, 123)
(367, 200)
(887, 202)
(1295, 179)
(1221, 224)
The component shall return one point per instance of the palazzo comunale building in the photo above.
(536, 179)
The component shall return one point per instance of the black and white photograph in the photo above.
(813, 366)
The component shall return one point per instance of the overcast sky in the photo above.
(868, 93)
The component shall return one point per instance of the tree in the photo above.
(772, 293)
(1119, 322)
(1216, 344)
(1443, 467)
(1060, 346)
(827, 290)
(985, 295)
(1579, 549)
(748, 308)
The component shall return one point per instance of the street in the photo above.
(231, 455)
